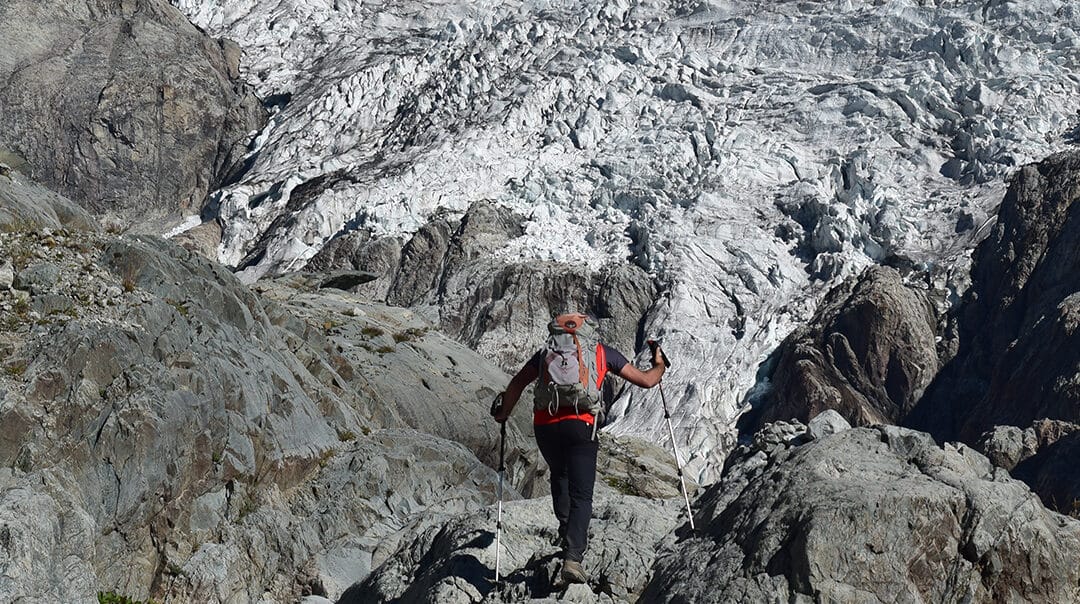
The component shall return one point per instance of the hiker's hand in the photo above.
(498, 408)
(659, 358)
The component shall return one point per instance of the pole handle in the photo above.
(653, 345)
(496, 404)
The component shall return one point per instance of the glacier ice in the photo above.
(768, 148)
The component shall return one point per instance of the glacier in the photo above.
(746, 154)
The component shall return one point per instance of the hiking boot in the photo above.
(572, 572)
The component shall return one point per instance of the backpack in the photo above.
(572, 368)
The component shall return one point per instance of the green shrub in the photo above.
(346, 435)
(111, 597)
(622, 485)
(16, 368)
(180, 307)
(371, 331)
(409, 335)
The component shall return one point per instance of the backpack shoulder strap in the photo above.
(601, 365)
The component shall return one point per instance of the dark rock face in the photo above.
(868, 353)
(1044, 456)
(422, 264)
(357, 250)
(1054, 474)
(124, 107)
(1019, 353)
(869, 515)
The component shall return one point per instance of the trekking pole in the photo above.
(653, 345)
(496, 405)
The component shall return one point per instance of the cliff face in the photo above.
(124, 107)
(1019, 354)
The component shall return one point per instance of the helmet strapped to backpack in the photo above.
(572, 368)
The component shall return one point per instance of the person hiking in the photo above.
(565, 423)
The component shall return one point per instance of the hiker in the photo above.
(565, 426)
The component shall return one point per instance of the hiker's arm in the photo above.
(525, 376)
(648, 378)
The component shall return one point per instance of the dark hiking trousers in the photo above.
(570, 452)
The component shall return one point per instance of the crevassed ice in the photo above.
(767, 149)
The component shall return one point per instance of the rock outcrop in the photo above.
(868, 353)
(494, 305)
(1044, 456)
(1019, 325)
(124, 107)
(868, 515)
(452, 560)
(1053, 473)
(28, 206)
(166, 423)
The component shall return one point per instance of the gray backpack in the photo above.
(572, 368)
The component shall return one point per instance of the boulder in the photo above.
(1042, 455)
(1006, 446)
(869, 515)
(826, 423)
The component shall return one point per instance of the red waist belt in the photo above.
(543, 418)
